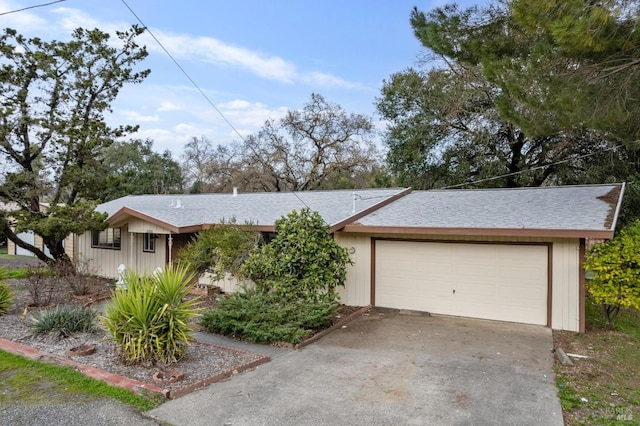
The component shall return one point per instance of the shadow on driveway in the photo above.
(386, 368)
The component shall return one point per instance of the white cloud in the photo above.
(166, 106)
(22, 21)
(70, 19)
(211, 50)
(181, 46)
(250, 114)
(328, 80)
(137, 117)
(270, 67)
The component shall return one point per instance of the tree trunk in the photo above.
(17, 241)
(611, 313)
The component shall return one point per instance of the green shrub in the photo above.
(66, 320)
(303, 261)
(150, 320)
(220, 249)
(265, 317)
(615, 265)
(6, 297)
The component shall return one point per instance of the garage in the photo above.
(506, 282)
(29, 238)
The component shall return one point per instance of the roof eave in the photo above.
(121, 215)
(339, 225)
(498, 232)
(618, 207)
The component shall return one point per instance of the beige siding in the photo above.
(37, 241)
(105, 262)
(565, 279)
(142, 226)
(229, 284)
(11, 247)
(69, 245)
(357, 291)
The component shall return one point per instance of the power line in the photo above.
(32, 7)
(204, 95)
(186, 74)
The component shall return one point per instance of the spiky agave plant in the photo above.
(66, 320)
(150, 320)
(6, 297)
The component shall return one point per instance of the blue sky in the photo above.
(254, 59)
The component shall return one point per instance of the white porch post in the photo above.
(131, 250)
(170, 244)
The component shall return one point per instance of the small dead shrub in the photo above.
(79, 279)
(42, 285)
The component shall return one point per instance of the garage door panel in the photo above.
(491, 281)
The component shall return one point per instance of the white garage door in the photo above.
(27, 237)
(490, 281)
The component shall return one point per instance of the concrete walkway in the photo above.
(385, 369)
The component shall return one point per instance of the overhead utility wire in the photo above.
(32, 7)
(535, 168)
(204, 95)
(184, 72)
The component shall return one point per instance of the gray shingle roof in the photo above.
(589, 207)
(261, 209)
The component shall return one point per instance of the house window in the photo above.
(109, 238)
(149, 242)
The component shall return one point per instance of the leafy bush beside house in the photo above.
(295, 275)
(221, 249)
(615, 265)
(265, 318)
(303, 261)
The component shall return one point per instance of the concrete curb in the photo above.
(334, 327)
(132, 385)
(177, 393)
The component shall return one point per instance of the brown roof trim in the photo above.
(120, 216)
(503, 232)
(353, 218)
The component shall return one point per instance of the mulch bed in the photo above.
(202, 364)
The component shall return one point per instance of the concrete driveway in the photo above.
(386, 368)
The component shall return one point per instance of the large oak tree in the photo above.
(318, 146)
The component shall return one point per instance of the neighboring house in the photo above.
(499, 254)
(34, 239)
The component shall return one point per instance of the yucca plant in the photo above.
(66, 320)
(149, 321)
(6, 297)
